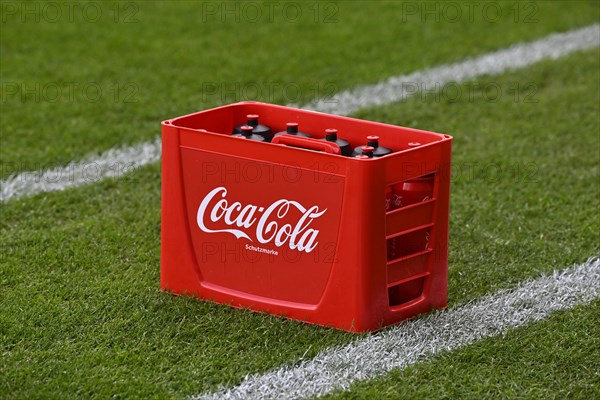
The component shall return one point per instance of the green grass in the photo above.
(553, 359)
(82, 315)
(154, 62)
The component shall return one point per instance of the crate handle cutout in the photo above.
(306, 143)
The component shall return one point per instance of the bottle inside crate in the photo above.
(292, 129)
(246, 133)
(258, 129)
(331, 135)
(373, 141)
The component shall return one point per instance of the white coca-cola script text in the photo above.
(263, 223)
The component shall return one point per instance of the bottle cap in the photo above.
(247, 130)
(373, 141)
(252, 119)
(292, 127)
(367, 151)
(331, 134)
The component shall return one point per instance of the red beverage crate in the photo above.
(305, 234)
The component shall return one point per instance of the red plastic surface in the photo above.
(306, 143)
(293, 228)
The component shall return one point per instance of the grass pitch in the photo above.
(81, 312)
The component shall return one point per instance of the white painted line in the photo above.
(398, 88)
(113, 163)
(393, 89)
(417, 340)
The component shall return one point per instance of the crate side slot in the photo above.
(408, 267)
(409, 217)
(409, 243)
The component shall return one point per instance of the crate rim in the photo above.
(171, 121)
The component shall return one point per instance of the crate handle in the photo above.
(306, 143)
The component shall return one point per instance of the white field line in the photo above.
(113, 163)
(517, 56)
(93, 169)
(417, 340)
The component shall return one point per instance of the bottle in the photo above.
(259, 129)
(418, 189)
(292, 129)
(344, 145)
(247, 134)
(373, 141)
(415, 191)
(398, 200)
(388, 198)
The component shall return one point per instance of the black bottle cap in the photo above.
(292, 128)
(247, 131)
(331, 135)
(252, 119)
(367, 151)
(373, 141)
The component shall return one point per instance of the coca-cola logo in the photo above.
(264, 224)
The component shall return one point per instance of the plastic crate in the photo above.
(301, 233)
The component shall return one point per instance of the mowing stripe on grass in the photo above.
(416, 340)
(118, 161)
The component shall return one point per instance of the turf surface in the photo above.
(82, 315)
(552, 359)
(78, 82)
